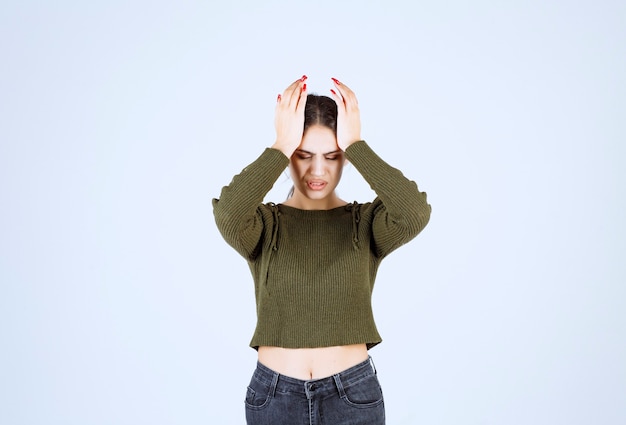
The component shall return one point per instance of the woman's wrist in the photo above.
(347, 145)
(286, 150)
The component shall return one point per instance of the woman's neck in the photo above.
(304, 203)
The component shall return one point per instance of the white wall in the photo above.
(119, 121)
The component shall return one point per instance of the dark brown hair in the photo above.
(320, 110)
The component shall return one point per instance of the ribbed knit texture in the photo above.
(313, 270)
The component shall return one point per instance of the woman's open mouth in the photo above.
(316, 184)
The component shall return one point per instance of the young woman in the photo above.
(314, 259)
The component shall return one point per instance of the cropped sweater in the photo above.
(314, 270)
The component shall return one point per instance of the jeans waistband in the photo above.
(310, 388)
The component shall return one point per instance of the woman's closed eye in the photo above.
(330, 156)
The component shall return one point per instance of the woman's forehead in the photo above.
(319, 139)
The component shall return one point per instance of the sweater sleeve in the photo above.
(238, 211)
(401, 211)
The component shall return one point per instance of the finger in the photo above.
(337, 98)
(292, 93)
(302, 100)
(341, 106)
(291, 96)
(287, 95)
(279, 99)
(348, 96)
(342, 87)
(296, 83)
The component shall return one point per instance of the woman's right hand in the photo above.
(289, 119)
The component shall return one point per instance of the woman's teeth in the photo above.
(316, 185)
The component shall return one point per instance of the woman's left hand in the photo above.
(348, 115)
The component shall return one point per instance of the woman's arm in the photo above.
(237, 212)
(401, 210)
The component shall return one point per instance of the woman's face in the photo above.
(316, 168)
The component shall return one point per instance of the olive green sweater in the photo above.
(314, 270)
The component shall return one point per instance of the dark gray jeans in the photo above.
(351, 397)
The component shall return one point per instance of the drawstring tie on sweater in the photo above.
(275, 214)
(356, 217)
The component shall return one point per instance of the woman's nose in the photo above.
(317, 167)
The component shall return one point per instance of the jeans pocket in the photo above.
(364, 393)
(257, 395)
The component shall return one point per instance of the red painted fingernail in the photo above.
(304, 87)
(304, 77)
(333, 92)
(278, 98)
(336, 81)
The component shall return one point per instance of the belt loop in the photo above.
(274, 383)
(372, 364)
(342, 392)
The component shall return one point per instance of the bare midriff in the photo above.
(312, 363)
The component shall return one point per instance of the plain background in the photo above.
(121, 120)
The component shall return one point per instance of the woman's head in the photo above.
(316, 166)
